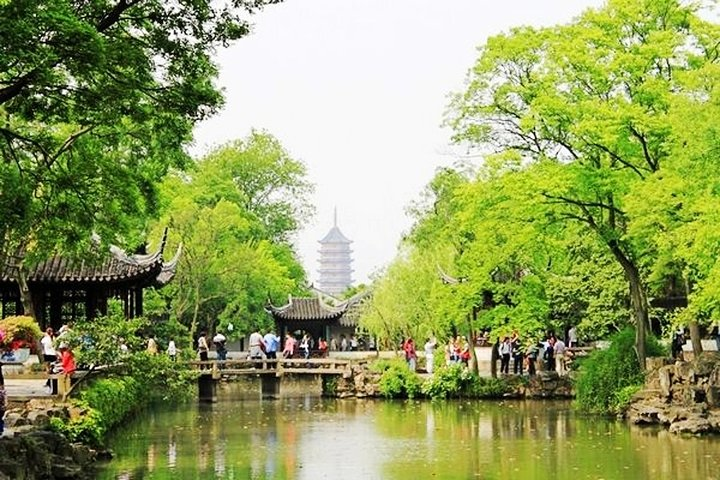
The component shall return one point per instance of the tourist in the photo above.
(572, 337)
(3, 402)
(353, 343)
(48, 352)
(531, 353)
(505, 350)
(549, 353)
(202, 347)
(464, 352)
(67, 362)
(333, 344)
(257, 346)
(716, 335)
(289, 348)
(410, 354)
(677, 343)
(219, 343)
(451, 355)
(172, 350)
(322, 346)
(429, 348)
(517, 354)
(343, 343)
(559, 351)
(305, 346)
(152, 347)
(272, 344)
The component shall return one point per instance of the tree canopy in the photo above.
(597, 140)
(97, 100)
(235, 212)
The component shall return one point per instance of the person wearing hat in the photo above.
(67, 360)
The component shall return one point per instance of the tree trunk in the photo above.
(473, 356)
(25, 295)
(693, 326)
(695, 338)
(638, 300)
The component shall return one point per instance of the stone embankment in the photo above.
(358, 381)
(682, 396)
(30, 451)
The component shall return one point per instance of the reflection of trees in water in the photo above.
(488, 440)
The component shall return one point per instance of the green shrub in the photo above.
(623, 397)
(490, 388)
(605, 373)
(456, 381)
(104, 404)
(397, 381)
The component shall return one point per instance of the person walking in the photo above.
(289, 348)
(305, 346)
(48, 352)
(202, 347)
(430, 345)
(67, 361)
(219, 341)
(272, 344)
(410, 354)
(559, 350)
(505, 350)
(257, 346)
(532, 354)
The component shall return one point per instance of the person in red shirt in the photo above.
(67, 360)
(410, 355)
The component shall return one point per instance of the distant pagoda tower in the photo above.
(335, 261)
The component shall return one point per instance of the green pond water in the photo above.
(313, 438)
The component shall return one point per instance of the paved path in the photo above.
(22, 389)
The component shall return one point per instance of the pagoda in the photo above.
(335, 261)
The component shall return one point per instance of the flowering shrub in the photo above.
(19, 332)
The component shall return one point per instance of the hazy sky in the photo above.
(356, 89)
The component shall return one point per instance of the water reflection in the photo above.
(314, 438)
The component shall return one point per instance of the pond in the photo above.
(311, 438)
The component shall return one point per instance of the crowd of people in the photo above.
(551, 354)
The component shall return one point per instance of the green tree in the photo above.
(592, 103)
(235, 257)
(97, 101)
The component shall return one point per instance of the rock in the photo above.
(14, 419)
(38, 418)
(712, 396)
(665, 378)
(692, 425)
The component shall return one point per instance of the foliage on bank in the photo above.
(608, 378)
(453, 381)
(106, 402)
(397, 381)
(124, 377)
(456, 381)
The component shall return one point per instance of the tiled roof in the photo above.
(117, 267)
(300, 308)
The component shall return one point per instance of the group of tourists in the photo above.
(268, 346)
(550, 354)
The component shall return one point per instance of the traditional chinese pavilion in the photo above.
(321, 315)
(64, 290)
